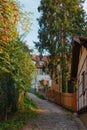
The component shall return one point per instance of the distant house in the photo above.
(42, 78)
(79, 70)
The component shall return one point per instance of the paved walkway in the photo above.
(52, 117)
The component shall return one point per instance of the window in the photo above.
(83, 82)
(40, 71)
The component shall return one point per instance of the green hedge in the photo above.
(8, 95)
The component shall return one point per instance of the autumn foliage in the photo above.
(8, 20)
(16, 67)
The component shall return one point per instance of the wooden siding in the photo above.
(67, 100)
(82, 83)
(55, 86)
(82, 96)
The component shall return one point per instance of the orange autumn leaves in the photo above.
(8, 20)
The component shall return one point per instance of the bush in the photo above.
(28, 105)
(17, 120)
(8, 95)
(40, 96)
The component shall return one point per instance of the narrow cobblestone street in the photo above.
(52, 117)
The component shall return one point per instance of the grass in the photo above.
(18, 120)
(40, 95)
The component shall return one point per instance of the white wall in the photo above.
(41, 76)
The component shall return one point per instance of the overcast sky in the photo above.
(31, 6)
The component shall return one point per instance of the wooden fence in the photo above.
(67, 100)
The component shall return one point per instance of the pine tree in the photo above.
(59, 21)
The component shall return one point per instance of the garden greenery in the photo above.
(16, 66)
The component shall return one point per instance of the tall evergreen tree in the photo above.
(59, 21)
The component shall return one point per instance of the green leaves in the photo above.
(21, 65)
(59, 21)
(15, 61)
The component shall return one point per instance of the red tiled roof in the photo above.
(38, 58)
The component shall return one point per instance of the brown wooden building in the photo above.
(79, 70)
